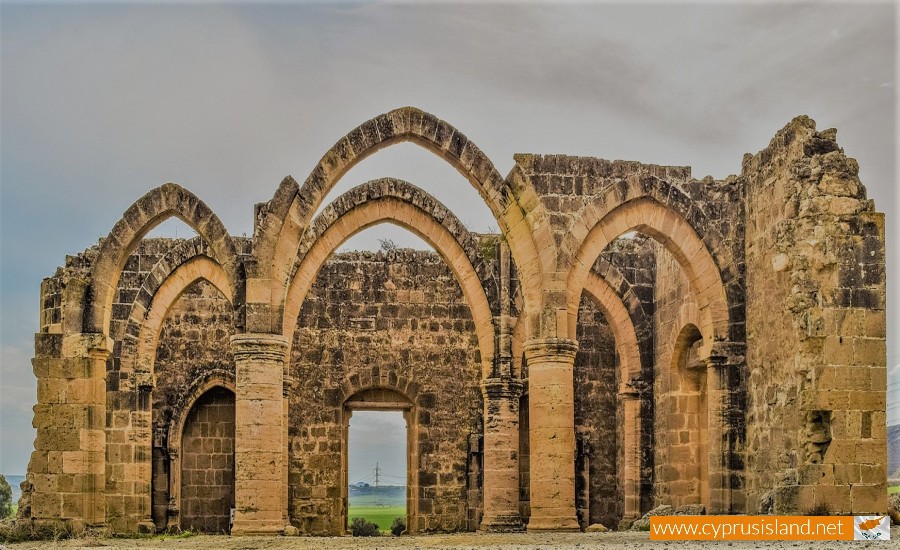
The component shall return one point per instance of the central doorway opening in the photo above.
(377, 481)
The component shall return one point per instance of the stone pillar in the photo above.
(583, 479)
(631, 442)
(68, 465)
(501, 454)
(259, 415)
(551, 417)
(723, 423)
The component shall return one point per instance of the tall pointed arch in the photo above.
(167, 201)
(634, 208)
(513, 204)
(399, 202)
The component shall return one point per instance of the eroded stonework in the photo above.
(631, 337)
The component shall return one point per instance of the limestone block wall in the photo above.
(816, 329)
(565, 183)
(397, 320)
(680, 446)
(193, 344)
(207, 463)
(65, 463)
(142, 396)
(193, 341)
(596, 382)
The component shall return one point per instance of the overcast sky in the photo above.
(99, 103)
(377, 437)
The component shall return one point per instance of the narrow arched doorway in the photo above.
(690, 444)
(207, 463)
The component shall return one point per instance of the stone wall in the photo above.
(396, 320)
(193, 344)
(596, 382)
(566, 184)
(816, 329)
(677, 388)
(207, 463)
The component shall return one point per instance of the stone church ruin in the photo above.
(631, 337)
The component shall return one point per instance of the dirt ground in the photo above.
(523, 541)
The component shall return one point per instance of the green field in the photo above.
(380, 506)
(382, 516)
(893, 489)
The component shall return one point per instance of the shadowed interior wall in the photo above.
(595, 416)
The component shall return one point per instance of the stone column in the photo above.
(551, 417)
(631, 442)
(259, 415)
(723, 423)
(501, 454)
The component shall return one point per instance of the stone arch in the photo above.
(195, 269)
(688, 315)
(212, 379)
(692, 400)
(631, 207)
(410, 207)
(620, 322)
(161, 203)
(203, 266)
(642, 319)
(513, 204)
(642, 322)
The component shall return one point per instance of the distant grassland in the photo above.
(381, 510)
(382, 516)
(893, 489)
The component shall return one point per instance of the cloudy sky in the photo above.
(100, 102)
(377, 437)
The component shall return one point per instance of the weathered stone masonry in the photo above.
(631, 337)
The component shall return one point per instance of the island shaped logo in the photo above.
(871, 528)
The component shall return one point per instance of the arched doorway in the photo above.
(690, 443)
(207, 463)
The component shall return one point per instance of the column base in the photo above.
(554, 523)
(626, 523)
(243, 528)
(146, 526)
(501, 524)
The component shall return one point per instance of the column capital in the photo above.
(633, 388)
(539, 348)
(509, 388)
(95, 345)
(726, 353)
(259, 344)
